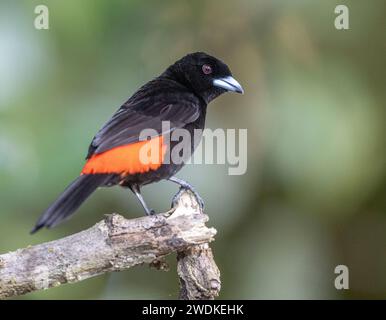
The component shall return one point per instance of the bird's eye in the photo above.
(206, 69)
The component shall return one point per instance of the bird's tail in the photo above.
(71, 199)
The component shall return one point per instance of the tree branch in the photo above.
(117, 244)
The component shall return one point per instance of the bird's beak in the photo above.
(228, 83)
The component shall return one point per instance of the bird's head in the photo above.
(207, 76)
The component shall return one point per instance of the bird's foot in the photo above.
(150, 212)
(199, 199)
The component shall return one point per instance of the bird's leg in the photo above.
(188, 186)
(137, 191)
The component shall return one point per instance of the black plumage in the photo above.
(179, 95)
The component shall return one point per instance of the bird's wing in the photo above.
(136, 115)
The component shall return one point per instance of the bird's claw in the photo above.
(199, 199)
(150, 212)
(176, 197)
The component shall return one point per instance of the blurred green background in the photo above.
(314, 193)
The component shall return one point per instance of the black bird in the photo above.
(179, 95)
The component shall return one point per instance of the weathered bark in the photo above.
(116, 244)
(199, 275)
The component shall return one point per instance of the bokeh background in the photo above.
(314, 193)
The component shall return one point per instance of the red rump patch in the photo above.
(138, 157)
